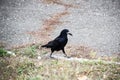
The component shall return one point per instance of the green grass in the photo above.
(3, 52)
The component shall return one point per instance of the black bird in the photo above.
(59, 42)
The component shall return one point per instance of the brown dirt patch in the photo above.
(59, 2)
(43, 34)
(80, 51)
(83, 51)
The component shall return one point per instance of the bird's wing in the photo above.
(51, 44)
(55, 43)
(59, 40)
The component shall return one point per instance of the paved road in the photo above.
(94, 23)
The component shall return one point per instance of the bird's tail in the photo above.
(47, 46)
(43, 46)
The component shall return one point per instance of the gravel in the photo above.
(94, 23)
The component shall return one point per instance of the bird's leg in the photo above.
(64, 53)
(51, 53)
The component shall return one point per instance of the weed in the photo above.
(3, 52)
(7, 72)
(25, 68)
(30, 51)
(116, 59)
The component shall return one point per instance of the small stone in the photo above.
(11, 53)
(39, 57)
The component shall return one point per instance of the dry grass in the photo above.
(24, 67)
(2, 44)
(81, 51)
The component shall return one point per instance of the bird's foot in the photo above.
(67, 56)
(52, 57)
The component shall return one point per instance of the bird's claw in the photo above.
(67, 56)
(51, 57)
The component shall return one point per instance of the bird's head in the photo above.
(65, 32)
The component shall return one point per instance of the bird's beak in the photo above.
(70, 34)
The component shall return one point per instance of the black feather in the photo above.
(58, 43)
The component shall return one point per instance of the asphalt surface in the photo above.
(93, 23)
